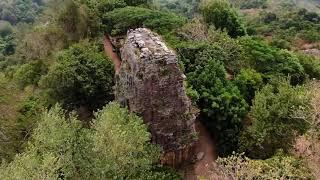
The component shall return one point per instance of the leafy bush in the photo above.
(270, 17)
(280, 43)
(60, 148)
(101, 7)
(188, 8)
(75, 21)
(308, 145)
(279, 166)
(311, 65)
(311, 36)
(279, 113)
(248, 82)
(235, 54)
(288, 24)
(137, 2)
(192, 94)
(16, 11)
(229, 50)
(190, 54)
(30, 74)
(222, 107)
(253, 4)
(41, 42)
(10, 137)
(29, 114)
(5, 28)
(220, 14)
(16, 118)
(128, 151)
(271, 61)
(7, 45)
(82, 76)
(120, 20)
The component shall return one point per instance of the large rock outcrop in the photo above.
(150, 84)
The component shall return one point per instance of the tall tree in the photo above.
(220, 14)
(81, 77)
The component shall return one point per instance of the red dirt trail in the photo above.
(205, 167)
(108, 48)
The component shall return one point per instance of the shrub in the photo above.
(76, 21)
(253, 4)
(270, 17)
(279, 113)
(7, 45)
(193, 30)
(271, 61)
(82, 76)
(308, 145)
(187, 8)
(220, 14)
(280, 166)
(16, 11)
(137, 2)
(30, 74)
(61, 148)
(120, 20)
(311, 65)
(102, 7)
(248, 82)
(280, 43)
(221, 105)
(311, 36)
(41, 42)
(225, 49)
(128, 138)
(5, 28)
(29, 114)
(10, 136)
(235, 54)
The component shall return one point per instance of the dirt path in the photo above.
(108, 48)
(205, 167)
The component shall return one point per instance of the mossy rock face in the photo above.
(153, 87)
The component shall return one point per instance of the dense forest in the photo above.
(252, 72)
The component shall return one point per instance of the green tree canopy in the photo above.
(280, 166)
(311, 65)
(221, 104)
(279, 113)
(16, 11)
(7, 45)
(30, 73)
(75, 20)
(120, 20)
(248, 82)
(220, 14)
(188, 8)
(271, 61)
(82, 76)
(5, 28)
(121, 142)
(117, 147)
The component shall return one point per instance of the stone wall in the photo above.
(150, 84)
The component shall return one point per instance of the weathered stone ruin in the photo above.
(150, 84)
